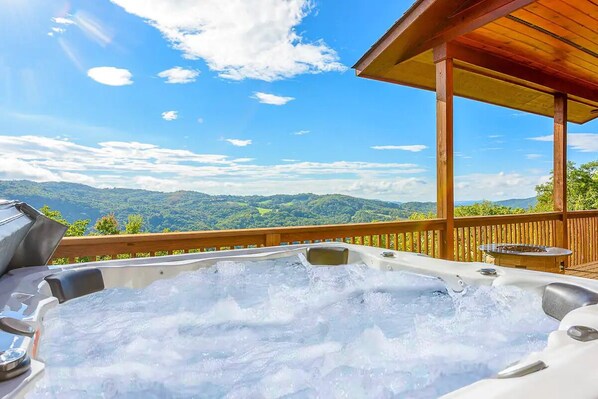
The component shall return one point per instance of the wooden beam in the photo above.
(517, 70)
(445, 201)
(560, 168)
(461, 22)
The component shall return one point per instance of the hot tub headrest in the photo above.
(328, 256)
(560, 298)
(72, 284)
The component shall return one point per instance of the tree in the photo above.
(78, 228)
(582, 188)
(486, 208)
(134, 224)
(75, 229)
(422, 215)
(107, 225)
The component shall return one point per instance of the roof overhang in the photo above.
(513, 53)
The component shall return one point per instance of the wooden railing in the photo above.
(531, 228)
(583, 237)
(415, 236)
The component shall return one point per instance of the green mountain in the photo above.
(188, 210)
(524, 203)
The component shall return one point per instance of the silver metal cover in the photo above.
(41, 240)
(14, 226)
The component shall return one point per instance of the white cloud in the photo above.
(533, 156)
(94, 28)
(179, 75)
(199, 120)
(495, 136)
(255, 39)
(272, 99)
(63, 24)
(239, 143)
(543, 138)
(289, 160)
(144, 165)
(148, 166)
(170, 115)
(15, 168)
(111, 76)
(496, 186)
(301, 133)
(461, 155)
(412, 148)
(582, 142)
(63, 21)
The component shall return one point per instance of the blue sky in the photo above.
(242, 97)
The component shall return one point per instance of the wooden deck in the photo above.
(587, 270)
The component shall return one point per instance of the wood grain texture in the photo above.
(537, 48)
(445, 201)
(469, 233)
(560, 168)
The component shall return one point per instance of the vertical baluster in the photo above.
(467, 244)
(416, 241)
(459, 243)
(519, 232)
(480, 232)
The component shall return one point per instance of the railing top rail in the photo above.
(356, 228)
(473, 221)
(582, 214)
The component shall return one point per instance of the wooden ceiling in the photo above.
(514, 53)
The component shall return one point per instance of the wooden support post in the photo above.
(560, 168)
(272, 240)
(445, 201)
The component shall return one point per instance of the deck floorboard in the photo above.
(587, 270)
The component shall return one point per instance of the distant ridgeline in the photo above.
(110, 211)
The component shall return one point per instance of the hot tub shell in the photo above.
(564, 369)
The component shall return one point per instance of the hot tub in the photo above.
(560, 367)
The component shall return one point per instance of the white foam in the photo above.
(275, 328)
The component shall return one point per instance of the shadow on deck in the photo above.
(587, 270)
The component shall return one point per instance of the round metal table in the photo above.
(526, 256)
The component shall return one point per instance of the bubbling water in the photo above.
(277, 328)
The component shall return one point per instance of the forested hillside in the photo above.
(125, 210)
(187, 210)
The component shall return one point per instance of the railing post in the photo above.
(559, 193)
(272, 239)
(445, 201)
(560, 168)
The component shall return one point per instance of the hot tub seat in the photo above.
(561, 298)
(72, 284)
(328, 256)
